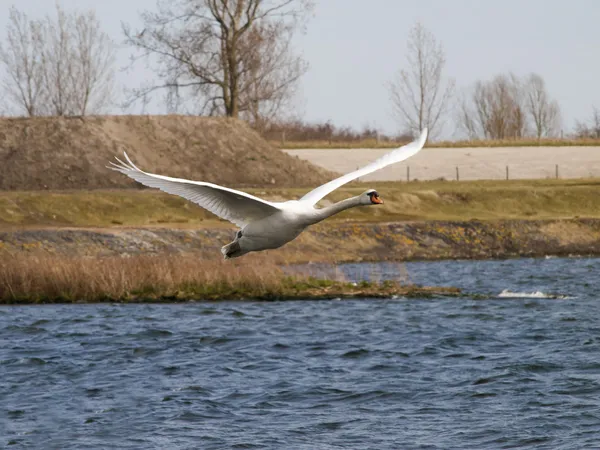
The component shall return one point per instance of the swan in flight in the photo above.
(267, 225)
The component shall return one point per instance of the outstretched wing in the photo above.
(397, 155)
(235, 206)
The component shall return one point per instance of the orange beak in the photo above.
(376, 200)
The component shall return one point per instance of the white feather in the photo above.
(397, 155)
(265, 224)
(235, 206)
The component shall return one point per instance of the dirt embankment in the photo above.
(401, 241)
(71, 153)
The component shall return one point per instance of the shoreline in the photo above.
(158, 265)
(373, 293)
(332, 242)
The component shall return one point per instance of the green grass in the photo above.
(431, 200)
(482, 200)
(97, 209)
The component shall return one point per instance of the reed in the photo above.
(41, 278)
(49, 279)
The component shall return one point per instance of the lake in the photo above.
(515, 366)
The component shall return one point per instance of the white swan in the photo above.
(266, 225)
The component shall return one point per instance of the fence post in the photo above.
(557, 171)
(407, 174)
(507, 172)
(457, 175)
(283, 138)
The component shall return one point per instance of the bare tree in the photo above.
(590, 129)
(94, 72)
(544, 112)
(595, 128)
(494, 109)
(57, 65)
(61, 66)
(419, 95)
(78, 64)
(21, 57)
(227, 57)
(466, 118)
(269, 81)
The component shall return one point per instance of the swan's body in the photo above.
(267, 225)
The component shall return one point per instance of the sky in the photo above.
(355, 47)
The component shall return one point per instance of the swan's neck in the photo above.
(328, 211)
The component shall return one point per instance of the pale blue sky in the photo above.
(355, 47)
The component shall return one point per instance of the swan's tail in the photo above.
(232, 250)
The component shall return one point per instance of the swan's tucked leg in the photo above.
(232, 250)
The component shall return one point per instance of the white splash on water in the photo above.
(537, 294)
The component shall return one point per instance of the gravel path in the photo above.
(473, 163)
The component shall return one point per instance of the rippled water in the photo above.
(432, 374)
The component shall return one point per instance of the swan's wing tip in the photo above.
(124, 167)
(128, 159)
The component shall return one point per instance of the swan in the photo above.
(267, 225)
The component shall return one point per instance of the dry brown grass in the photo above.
(46, 279)
(72, 152)
(49, 278)
(373, 143)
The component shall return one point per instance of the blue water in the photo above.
(438, 373)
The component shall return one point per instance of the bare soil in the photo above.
(333, 242)
(58, 153)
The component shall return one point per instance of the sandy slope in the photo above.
(71, 153)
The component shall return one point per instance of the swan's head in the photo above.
(371, 197)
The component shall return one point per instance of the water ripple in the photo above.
(434, 374)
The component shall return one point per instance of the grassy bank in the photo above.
(419, 221)
(431, 200)
(373, 143)
(50, 279)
